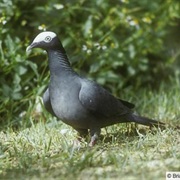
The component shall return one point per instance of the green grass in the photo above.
(46, 150)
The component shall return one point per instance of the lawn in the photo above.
(46, 150)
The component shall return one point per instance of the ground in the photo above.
(124, 151)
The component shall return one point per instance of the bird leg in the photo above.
(82, 133)
(94, 136)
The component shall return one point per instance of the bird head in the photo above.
(46, 40)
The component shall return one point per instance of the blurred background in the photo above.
(124, 45)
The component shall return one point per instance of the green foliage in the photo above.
(119, 43)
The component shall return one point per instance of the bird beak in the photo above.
(28, 48)
(31, 46)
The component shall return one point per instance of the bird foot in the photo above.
(77, 144)
(93, 140)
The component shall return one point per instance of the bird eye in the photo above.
(47, 39)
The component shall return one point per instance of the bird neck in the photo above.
(58, 62)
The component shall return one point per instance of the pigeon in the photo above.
(81, 103)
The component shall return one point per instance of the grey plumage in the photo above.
(78, 102)
(47, 102)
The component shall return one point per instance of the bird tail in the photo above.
(146, 121)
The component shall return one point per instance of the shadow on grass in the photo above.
(132, 133)
(20, 173)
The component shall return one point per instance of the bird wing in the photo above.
(47, 102)
(100, 102)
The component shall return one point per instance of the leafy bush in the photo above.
(119, 44)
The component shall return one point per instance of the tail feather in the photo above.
(147, 121)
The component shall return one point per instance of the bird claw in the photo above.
(93, 140)
(77, 144)
(92, 143)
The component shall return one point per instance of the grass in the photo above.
(46, 150)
